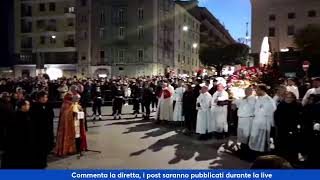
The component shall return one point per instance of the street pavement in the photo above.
(132, 143)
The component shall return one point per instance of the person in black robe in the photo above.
(147, 97)
(189, 110)
(311, 129)
(287, 119)
(6, 112)
(41, 115)
(136, 94)
(19, 135)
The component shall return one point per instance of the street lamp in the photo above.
(185, 28)
(195, 45)
(53, 36)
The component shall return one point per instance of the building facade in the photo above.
(280, 20)
(45, 36)
(132, 37)
(187, 42)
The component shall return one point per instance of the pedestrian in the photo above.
(205, 124)
(219, 109)
(314, 90)
(118, 101)
(66, 139)
(177, 102)
(260, 140)
(245, 113)
(189, 110)
(96, 106)
(41, 115)
(287, 119)
(165, 107)
(147, 99)
(6, 114)
(19, 136)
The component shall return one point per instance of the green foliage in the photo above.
(219, 57)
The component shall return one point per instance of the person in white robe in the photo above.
(165, 105)
(246, 107)
(263, 121)
(177, 101)
(291, 87)
(314, 90)
(219, 110)
(204, 120)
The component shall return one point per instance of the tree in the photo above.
(219, 57)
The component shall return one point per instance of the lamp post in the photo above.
(186, 28)
(39, 59)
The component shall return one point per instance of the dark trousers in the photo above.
(154, 102)
(189, 121)
(117, 107)
(146, 105)
(136, 104)
(96, 108)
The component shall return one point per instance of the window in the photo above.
(42, 39)
(83, 58)
(70, 22)
(179, 58)
(291, 30)
(184, 45)
(102, 18)
(183, 59)
(83, 2)
(140, 55)
(41, 25)
(52, 6)
(272, 17)
(121, 32)
(192, 61)
(102, 54)
(121, 55)
(121, 15)
(184, 18)
(140, 13)
(179, 43)
(291, 15)
(83, 18)
(101, 33)
(272, 32)
(42, 7)
(70, 10)
(52, 25)
(140, 32)
(188, 60)
(312, 13)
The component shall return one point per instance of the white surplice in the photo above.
(177, 97)
(262, 123)
(246, 107)
(309, 92)
(204, 120)
(165, 108)
(219, 113)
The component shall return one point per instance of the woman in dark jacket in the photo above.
(18, 139)
(288, 125)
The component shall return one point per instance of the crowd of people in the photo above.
(286, 123)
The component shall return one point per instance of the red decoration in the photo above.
(166, 93)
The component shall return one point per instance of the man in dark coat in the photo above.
(41, 115)
(147, 99)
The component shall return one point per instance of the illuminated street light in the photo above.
(195, 45)
(53, 36)
(185, 28)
